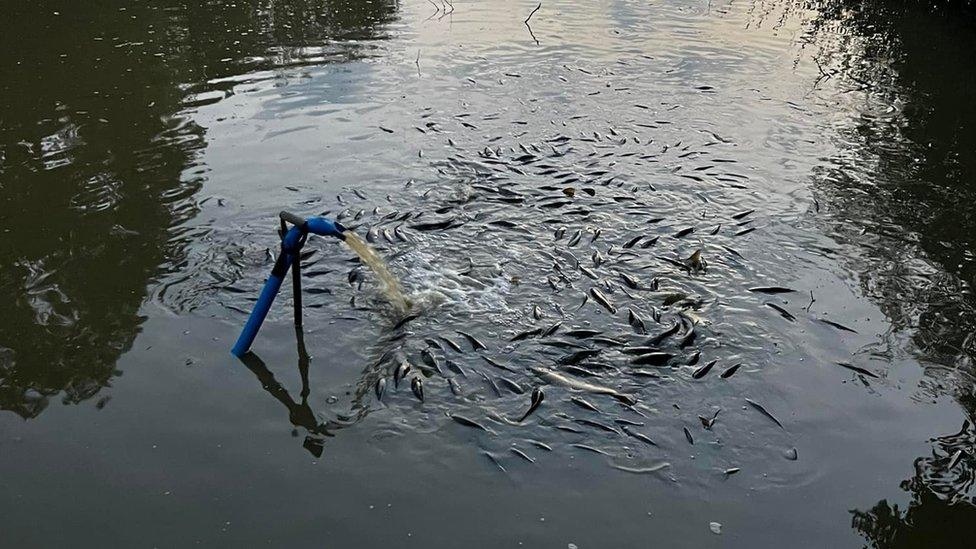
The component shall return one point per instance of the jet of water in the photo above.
(388, 283)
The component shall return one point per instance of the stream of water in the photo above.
(389, 284)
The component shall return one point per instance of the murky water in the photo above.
(538, 190)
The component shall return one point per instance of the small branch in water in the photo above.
(824, 75)
(811, 301)
(417, 62)
(437, 10)
(820, 68)
(530, 26)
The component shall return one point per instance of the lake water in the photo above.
(514, 176)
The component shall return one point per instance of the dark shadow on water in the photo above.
(98, 162)
(385, 353)
(939, 513)
(300, 414)
(900, 199)
(904, 188)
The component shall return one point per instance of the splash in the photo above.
(388, 283)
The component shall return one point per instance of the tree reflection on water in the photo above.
(97, 158)
(900, 198)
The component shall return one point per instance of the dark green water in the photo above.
(146, 148)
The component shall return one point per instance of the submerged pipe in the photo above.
(291, 246)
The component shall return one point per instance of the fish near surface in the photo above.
(858, 369)
(583, 333)
(417, 386)
(762, 410)
(643, 470)
(674, 297)
(475, 343)
(522, 455)
(837, 325)
(695, 263)
(596, 424)
(700, 372)
(656, 340)
(435, 225)
(583, 403)
(603, 300)
(577, 236)
(771, 290)
(497, 364)
(639, 436)
(579, 356)
(630, 243)
(631, 282)
(650, 242)
(551, 329)
(469, 423)
(526, 334)
(708, 422)
(731, 371)
(511, 385)
(552, 376)
(654, 358)
(401, 372)
(450, 343)
(455, 386)
(431, 360)
(782, 312)
(537, 397)
(636, 322)
(491, 383)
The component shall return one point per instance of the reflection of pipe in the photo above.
(291, 247)
(300, 414)
(303, 361)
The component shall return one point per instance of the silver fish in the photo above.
(603, 300)
(552, 376)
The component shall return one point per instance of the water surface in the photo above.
(503, 171)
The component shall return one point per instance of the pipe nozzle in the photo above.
(316, 225)
(325, 227)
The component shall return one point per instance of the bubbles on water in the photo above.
(476, 288)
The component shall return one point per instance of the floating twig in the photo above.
(823, 73)
(530, 26)
(532, 34)
(417, 62)
(437, 10)
(811, 301)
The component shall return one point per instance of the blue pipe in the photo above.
(261, 308)
(325, 227)
(291, 246)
